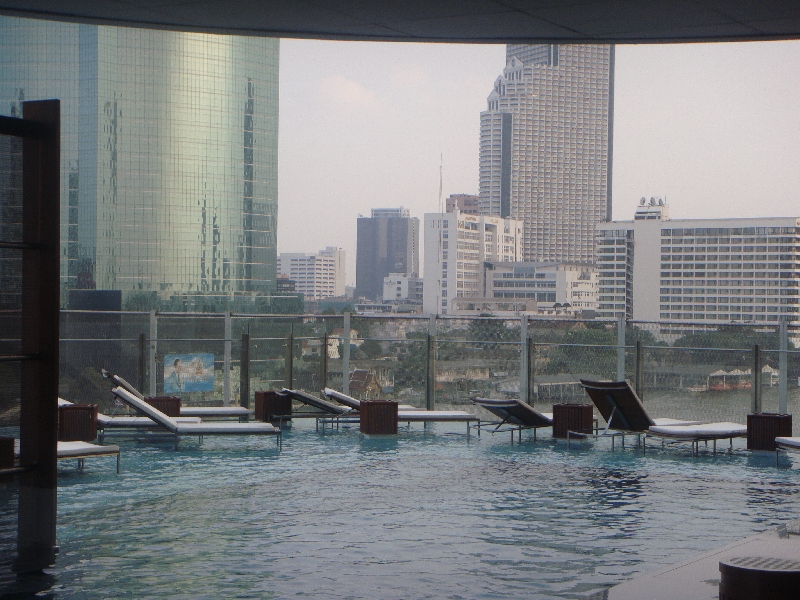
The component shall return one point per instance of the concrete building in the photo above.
(169, 145)
(316, 276)
(534, 288)
(715, 270)
(545, 147)
(456, 247)
(399, 287)
(388, 242)
(468, 204)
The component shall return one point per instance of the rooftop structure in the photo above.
(468, 204)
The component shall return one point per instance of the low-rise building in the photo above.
(554, 289)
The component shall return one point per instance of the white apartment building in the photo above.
(716, 270)
(316, 276)
(456, 247)
(399, 287)
(534, 288)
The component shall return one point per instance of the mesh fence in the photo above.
(692, 371)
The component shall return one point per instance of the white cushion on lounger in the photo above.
(665, 421)
(106, 421)
(79, 449)
(792, 442)
(707, 430)
(435, 415)
(215, 411)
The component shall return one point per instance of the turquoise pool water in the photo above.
(425, 514)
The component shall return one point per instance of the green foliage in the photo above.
(411, 368)
(590, 350)
(371, 349)
(731, 337)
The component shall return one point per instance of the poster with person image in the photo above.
(188, 373)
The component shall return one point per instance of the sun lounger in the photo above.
(329, 408)
(80, 451)
(514, 413)
(354, 403)
(111, 425)
(786, 444)
(194, 429)
(624, 413)
(200, 412)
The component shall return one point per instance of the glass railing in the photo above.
(680, 370)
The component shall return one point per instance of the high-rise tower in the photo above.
(545, 150)
(169, 153)
(388, 242)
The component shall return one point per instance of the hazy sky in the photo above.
(713, 127)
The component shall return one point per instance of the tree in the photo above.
(584, 350)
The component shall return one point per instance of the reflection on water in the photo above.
(422, 514)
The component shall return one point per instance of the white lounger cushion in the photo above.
(104, 421)
(215, 411)
(665, 421)
(705, 431)
(192, 428)
(791, 442)
(76, 449)
(81, 449)
(435, 415)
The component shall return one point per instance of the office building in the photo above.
(399, 287)
(316, 276)
(467, 204)
(169, 153)
(545, 147)
(388, 242)
(709, 270)
(550, 289)
(456, 248)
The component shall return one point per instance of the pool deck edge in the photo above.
(698, 577)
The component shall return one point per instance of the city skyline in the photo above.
(711, 127)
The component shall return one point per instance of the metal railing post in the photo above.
(244, 372)
(153, 351)
(756, 379)
(639, 371)
(288, 365)
(430, 371)
(142, 361)
(621, 348)
(226, 376)
(323, 361)
(530, 367)
(523, 360)
(346, 355)
(783, 368)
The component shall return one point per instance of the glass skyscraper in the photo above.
(545, 148)
(169, 153)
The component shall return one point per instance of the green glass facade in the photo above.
(169, 153)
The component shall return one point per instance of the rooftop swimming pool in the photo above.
(429, 513)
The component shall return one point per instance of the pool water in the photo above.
(428, 513)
